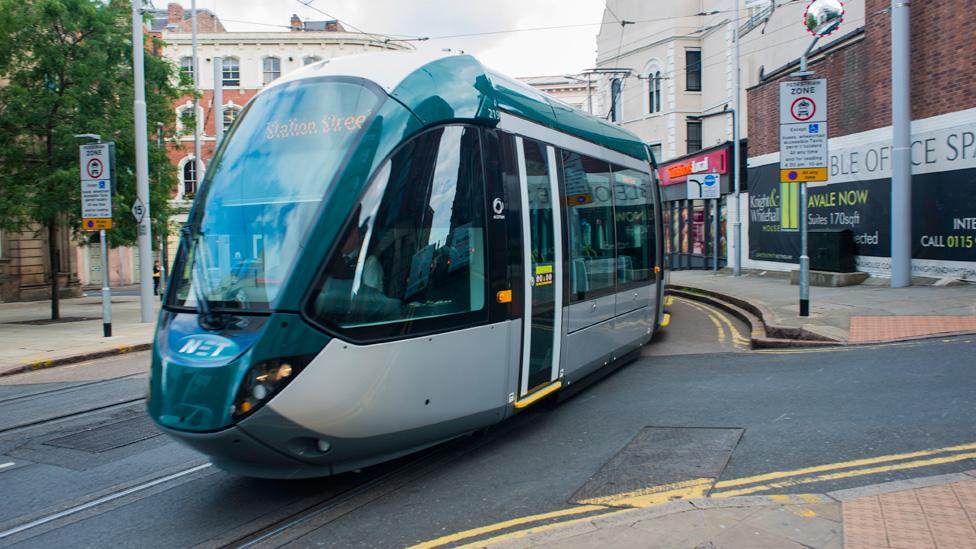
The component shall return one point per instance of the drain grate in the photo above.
(662, 463)
(109, 437)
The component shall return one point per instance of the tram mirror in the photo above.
(823, 16)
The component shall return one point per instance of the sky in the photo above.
(531, 53)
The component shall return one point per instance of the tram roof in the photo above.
(445, 86)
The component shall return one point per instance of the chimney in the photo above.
(296, 22)
(174, 13)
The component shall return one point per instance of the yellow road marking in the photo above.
(841, 465)
(806, 513)
(536, 530)
(444, 540)
(718, 325)
(657, 494)
(845, 474)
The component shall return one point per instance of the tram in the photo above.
(391, 250)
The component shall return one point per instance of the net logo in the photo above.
(207, 347)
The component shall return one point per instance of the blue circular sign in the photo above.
(709, 180)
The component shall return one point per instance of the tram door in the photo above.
(542, 256)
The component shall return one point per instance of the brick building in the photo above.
(857, 67)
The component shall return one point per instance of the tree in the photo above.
(66, 69)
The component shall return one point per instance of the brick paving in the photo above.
(872, 329)
(937, 517)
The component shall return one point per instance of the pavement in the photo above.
(930, 512)
(29, 341)
(871, 312)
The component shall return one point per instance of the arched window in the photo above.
(311, 59)
(189, 177)
(230, 114)
(231, 72)
(654, 92)
(271, 67)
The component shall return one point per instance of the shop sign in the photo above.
(677, 172)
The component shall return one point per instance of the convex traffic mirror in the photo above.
(823, 16)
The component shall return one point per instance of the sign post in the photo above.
(707, 186)
(803, 155)
(97, 170)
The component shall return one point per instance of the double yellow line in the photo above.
(720, 322)
(611, 505)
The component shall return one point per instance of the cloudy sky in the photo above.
(529, 53)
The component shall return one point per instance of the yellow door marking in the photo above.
(657, 494)
(538, 395)
(536, 530)
(845, 474)
(444, 540)
(841, 465)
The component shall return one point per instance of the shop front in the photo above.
(694, 213)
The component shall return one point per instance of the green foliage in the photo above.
(66, 69)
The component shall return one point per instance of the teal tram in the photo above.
(391, 250)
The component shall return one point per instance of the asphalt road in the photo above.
(787, 410)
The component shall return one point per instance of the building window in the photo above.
(230, 114)
(271, 68)
(311, 59)
(693, 80)
(654, 92)
(231, 72)
(656, 151)
(186, 121)
(694, 135)
(189, 178)
(615, 88)
(186, 69)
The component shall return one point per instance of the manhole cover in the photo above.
(659, 464)
(109, 437)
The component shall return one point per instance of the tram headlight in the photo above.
(263, 381)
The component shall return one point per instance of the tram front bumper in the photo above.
(237, 452)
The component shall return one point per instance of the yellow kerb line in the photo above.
(708, 313)
(444, 540)
(845, 474)
(536, 530)
(656, 495)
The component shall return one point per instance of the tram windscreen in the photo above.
(262, 192)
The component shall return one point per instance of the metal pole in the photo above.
(901, 150)
(589, 93)
(197, 161)
(218, 101)
(804, 258)
(715, 222)
(164, 237)
(736, 152)
(106, 291)
(142, 166)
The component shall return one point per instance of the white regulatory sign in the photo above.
(803, 126)
(95, 162)
(704, 186)
(96, 199)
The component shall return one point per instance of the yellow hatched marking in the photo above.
(523, 533)
(451, 538)
(842, 465)
(657, 494)
(845, 474)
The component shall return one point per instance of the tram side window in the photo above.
(589, 225)
(635, 225)
(416, 248)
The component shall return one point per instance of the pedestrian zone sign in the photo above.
(803, 130)
(96, 186)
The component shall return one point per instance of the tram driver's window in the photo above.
(589, 224)
(635, 225)
(416, 247)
